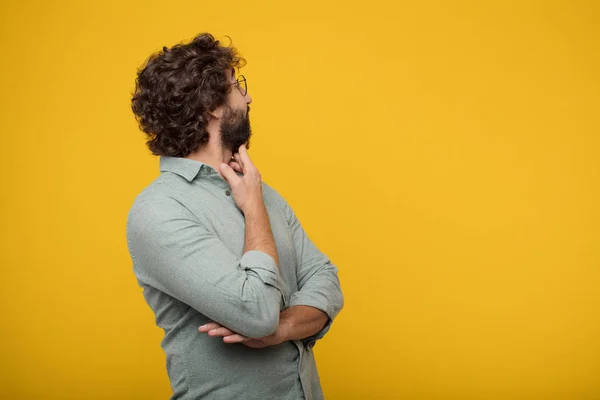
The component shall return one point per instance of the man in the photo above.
(241, 292)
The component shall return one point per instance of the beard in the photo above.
(235, 129)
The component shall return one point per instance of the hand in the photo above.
(235, 163)
(247, 189)
(229, 336)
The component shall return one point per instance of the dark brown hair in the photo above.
(176, 87)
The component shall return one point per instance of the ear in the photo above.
(217, 113)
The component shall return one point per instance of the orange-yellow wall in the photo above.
(445, 155)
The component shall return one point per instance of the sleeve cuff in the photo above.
(310, 341)
(264, 266)
(307, 299)
(304, 299)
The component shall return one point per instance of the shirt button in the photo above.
(227, 193)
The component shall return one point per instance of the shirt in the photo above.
(185, 236)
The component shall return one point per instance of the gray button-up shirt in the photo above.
(186, 237)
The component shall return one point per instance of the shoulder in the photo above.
(273, 198)
(270, 191)
(152, 207)
(166, 192)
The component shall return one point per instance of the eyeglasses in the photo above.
(241, 84)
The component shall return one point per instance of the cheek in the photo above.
(240, 102)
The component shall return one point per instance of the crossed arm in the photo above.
(175, 254)
(312, 308)
(295, 323)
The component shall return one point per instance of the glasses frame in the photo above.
(238, 83)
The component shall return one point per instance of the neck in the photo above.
(212, 153)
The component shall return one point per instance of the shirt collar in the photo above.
(181, 166)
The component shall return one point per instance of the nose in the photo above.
(248, 99)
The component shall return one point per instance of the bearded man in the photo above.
(239, 289)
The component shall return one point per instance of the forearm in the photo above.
(258, 235)
(300, 322)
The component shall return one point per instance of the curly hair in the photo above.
(176, 88)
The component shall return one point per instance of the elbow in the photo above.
(335, 306)
(261, 308)
(336, 303)
(264, 329)
(261, 324)
(341, 302)
(261, 314)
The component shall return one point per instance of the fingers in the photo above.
(236, 166)
(214, 329)
(245, 158)
(238, 159)
(229, 336)
(207, 327)
(221, 331)
(235, 338)
(248, 167)
(228, 173)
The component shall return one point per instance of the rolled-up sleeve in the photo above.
(318, 282)
(174, 253)
(263, 265)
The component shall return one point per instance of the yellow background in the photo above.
(445, 155)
